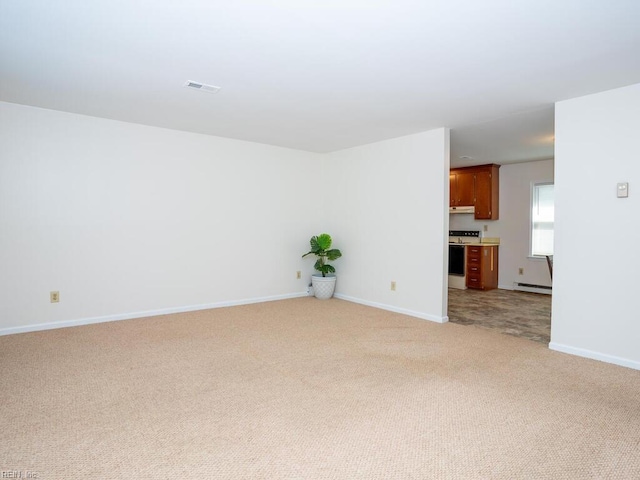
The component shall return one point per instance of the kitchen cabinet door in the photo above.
(453, 190)
(461, 189)
(486, 195)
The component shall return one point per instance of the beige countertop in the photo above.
(491, 243)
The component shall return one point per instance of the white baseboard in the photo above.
(514, 287)
(148, 313)
(603, 357)
(391, 308)
(542, 291)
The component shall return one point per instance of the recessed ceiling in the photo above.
(317, 75)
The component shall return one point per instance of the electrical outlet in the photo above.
(485, 228)
(393, 286)
(298, 274)
(521, 271)
(54, 297)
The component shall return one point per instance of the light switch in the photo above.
(623, 190)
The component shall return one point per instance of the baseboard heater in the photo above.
(530, 287)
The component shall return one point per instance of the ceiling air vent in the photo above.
(203, 87)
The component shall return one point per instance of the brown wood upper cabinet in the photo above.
(462, 189)
(477, 186)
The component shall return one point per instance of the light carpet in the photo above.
(303, 389)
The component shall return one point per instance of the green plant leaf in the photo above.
(314, 244)
(324, 241)
(333, 254)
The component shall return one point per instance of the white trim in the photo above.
(514, 288)
(542, 291)
(147, 313)
(603, 357)
(391, 308)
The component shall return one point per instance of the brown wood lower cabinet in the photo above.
(482, 267)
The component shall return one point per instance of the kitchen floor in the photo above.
(521, 314)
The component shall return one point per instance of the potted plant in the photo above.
(324, 283)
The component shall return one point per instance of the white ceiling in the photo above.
(324, 75)
(521, 137)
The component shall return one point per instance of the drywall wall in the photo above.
(513, 226)
(123, 218)
(387, 205)
(595, 311)
(127, 220)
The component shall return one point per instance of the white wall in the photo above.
(513, 226)
(124, 218)
(128, 220)
(595, 312)
(386, 207)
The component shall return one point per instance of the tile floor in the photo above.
(521, 314)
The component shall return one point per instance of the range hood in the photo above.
(469, 209)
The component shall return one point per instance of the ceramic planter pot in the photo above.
(323, 287)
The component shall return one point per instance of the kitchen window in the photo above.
(542, 214)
